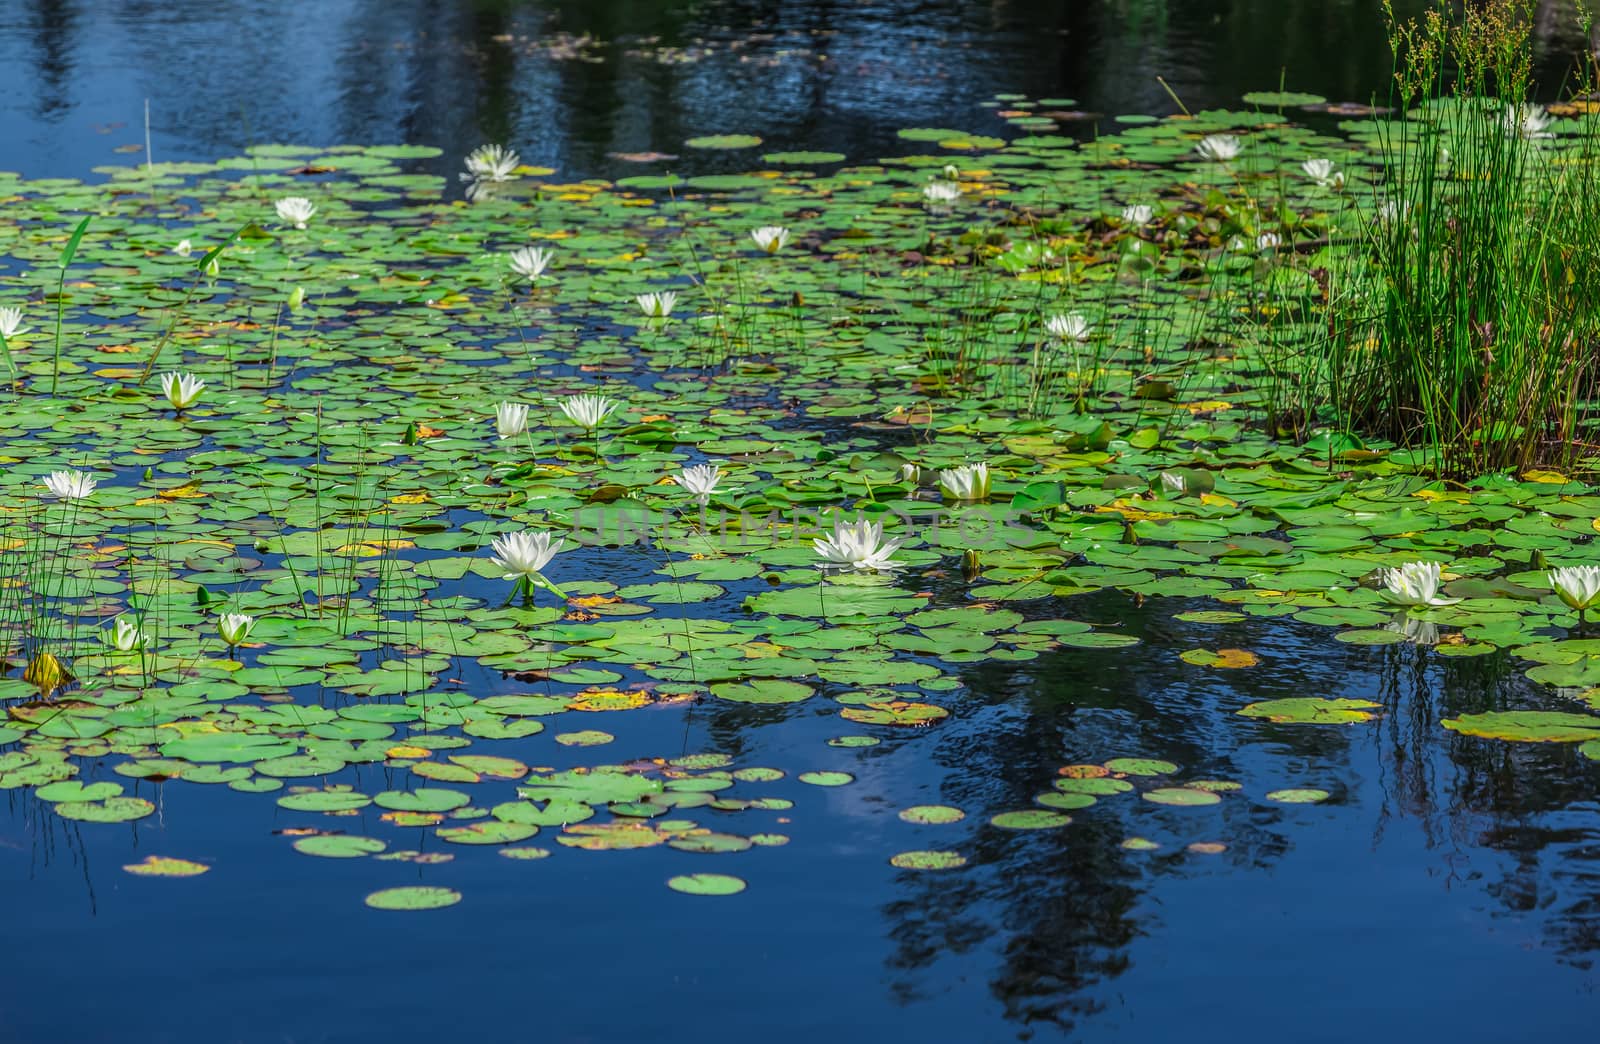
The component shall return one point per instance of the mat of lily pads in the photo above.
(293, 573)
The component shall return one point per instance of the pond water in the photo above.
(832, 750)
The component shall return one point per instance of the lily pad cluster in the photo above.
(341, 475)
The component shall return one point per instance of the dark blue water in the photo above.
(1449, 890)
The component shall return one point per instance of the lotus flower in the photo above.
(510, 419)
(967, 482)
(1218, 147)
(1414, 584)
(857, 545)
(70, 485)
(126, 636)
(530, 262)
(1268, 241)
(235, 627)
(941, 193)
(1138, 214)
(701, 480)
(295, 210)
(1528, 122)
(771, 238)
(1578, 586)
(491, 163)
(1070, 327)
(1324, 172)
(657, 305)
(181, 389)
(588, 410)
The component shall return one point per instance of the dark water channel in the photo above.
(1448, 890)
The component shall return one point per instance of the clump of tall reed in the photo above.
(1466, 320)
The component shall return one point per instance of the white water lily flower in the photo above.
(1324, 172)
(967, 482)
(11, 322)
(857, 545)
(1073, 326)
(911, 474)
(1138, 214)
(510, 419)
(588, 410)
(771, 238)
(1268, 241)
(530, 262)
(1578, 586)
(701, 480)
(951, 172)
(657, 305)
(941, 192)
(126, 636)
(1218, 147)
(1393, 211)
(491, 163)
(181, 389)
(1528, 122)
(523, 555)
(184, 248)
(235, 627)
(1415, 584)
(70, 485)
(295, 210)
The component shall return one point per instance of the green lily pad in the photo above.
(706, 884)
(413, 897)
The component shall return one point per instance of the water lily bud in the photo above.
(45, 673)
(971, 565)
(297, 297)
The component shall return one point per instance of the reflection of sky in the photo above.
(455, 73)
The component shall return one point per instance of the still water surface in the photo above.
(1449, 890)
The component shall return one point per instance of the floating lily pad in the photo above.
(826, 779)
(1298, 796)
(706, 884)
(165, 866)
(413, 897)
(1031, 819)
(111, 810)
(339, 846)
(724, 141)
(932, 815)
(928, 860)
(1310, 710)
(1528, 726)
(1180, 796)
(1141, 766)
